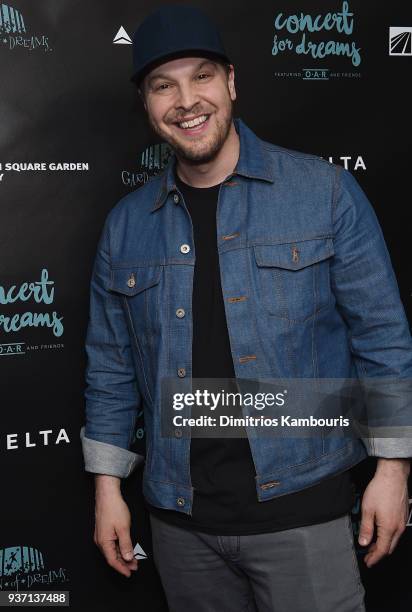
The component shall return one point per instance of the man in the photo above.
(250, 261)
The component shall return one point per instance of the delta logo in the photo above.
(14, 33)
(122, 37)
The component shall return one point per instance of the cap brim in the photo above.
(137, 77)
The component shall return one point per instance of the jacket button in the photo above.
(178, 433)
(131, 281)
(184, 248)
(176, 198)
(181, 372)
(180, 313)
(181, 501)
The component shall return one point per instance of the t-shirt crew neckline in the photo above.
(184, 185)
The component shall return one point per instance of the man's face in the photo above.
(185, 89)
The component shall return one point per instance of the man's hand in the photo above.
(385, 502)
(112, 527)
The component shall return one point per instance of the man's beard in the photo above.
(208, 151)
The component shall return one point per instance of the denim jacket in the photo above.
(299, 240)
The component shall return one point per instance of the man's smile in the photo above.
(194, 126)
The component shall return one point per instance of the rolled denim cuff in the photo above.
(389, 448)
(103, 458)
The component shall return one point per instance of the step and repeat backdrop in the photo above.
(73, 140)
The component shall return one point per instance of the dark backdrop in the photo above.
(65, 97)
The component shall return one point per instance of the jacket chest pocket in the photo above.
(139, 286)
(292, 279)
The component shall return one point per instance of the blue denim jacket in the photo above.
(299, 239)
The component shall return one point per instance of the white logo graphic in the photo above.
(138, 552)
(122, 37)
(400, 41)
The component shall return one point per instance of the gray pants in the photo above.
(305, 569)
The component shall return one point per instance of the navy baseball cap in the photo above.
(172, 31)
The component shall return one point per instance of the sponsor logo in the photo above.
(138, 552)
(349, 162)
(38, 292)
(400, 41)
(20, 167)
(14, 33)
(316, 38)
(152, 161)
(45, 437)
(24, 567)
(122, 37)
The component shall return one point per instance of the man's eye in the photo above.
(203, 74)
(161, 87)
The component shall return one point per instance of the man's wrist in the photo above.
(393, 466)
(106, 482)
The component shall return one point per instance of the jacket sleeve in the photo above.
(366, 290)
(112, 397)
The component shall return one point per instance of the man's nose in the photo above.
(187, 96)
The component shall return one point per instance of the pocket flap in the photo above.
(293, 255)
(133, 279)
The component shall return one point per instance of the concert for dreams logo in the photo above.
(39, 292)
(304, 35)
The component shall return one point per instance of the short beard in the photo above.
(199, 157)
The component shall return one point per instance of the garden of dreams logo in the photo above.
(14, 34)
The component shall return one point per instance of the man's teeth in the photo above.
(193, 123)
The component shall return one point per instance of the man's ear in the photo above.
(231, 82)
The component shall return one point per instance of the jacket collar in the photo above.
(252, 163)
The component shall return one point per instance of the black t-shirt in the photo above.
(222, 469)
